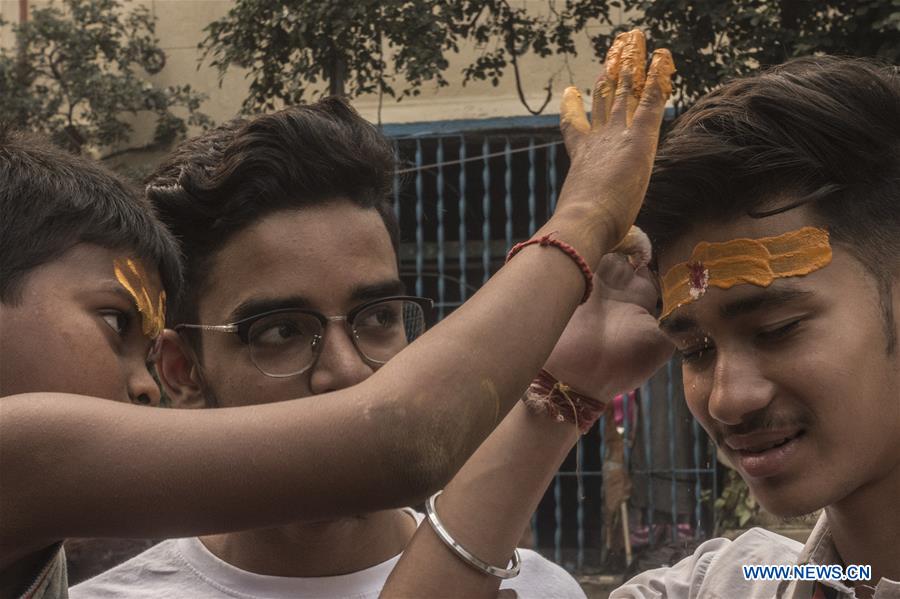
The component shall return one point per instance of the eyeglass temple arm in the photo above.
(223, 328)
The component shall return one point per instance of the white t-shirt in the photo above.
(185, 568)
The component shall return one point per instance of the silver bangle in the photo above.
(465, 555)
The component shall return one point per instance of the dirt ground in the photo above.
(598, 587)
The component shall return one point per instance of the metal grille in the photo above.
(466, 192)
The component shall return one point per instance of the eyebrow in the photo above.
(762, 300)
(387, 288)
(360, 293)
(676, 325)
(765, 299)
(114, 287)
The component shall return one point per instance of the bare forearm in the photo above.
(465, 375)
(126, 471)
(497, 490)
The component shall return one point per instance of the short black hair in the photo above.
(822, 131)
(51, 200)
(215, 185)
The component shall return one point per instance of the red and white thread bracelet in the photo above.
(547, 395)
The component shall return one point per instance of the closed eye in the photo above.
(697, 352)
(696, 356)
(779, 332)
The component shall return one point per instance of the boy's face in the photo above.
(328, 258)
(792, 380)
(77, 330)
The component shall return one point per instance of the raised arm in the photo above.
(76, 466)
(612, 344)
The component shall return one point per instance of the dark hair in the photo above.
(822, 131)
(217, 184)
(51, 200)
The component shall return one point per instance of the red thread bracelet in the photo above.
(548, 395)
(567, 250)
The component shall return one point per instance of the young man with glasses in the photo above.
(292, 291)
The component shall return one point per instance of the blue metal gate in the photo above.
(467, 191)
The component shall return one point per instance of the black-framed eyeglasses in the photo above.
(287, 342)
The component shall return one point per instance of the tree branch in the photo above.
(521, 93)
(513, 59)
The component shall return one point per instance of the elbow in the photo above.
(427, 466)
(423, 448)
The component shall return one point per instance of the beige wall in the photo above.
(9, 11)
(179, 29)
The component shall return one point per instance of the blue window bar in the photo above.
(465, 191)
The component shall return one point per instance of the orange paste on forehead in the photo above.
(150, 299)
(753, 261)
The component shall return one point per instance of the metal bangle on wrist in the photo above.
(482, 566)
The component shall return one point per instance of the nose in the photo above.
(339, 364)
(142, 387)
(738, 388)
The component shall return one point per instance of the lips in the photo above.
(757, 442)
(767, 453)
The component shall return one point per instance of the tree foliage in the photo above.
(78, 69)
(715, 40)
(393, 47)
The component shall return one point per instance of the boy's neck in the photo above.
(866, 525)
(312, 549)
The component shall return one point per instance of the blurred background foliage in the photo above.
(394, 46)
(79, 68)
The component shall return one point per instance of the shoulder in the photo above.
(714, 569)
(541, 577)
(153, 573)
(49, 582)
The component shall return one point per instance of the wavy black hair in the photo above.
(215, 185)
(51, 200)
(818, 131)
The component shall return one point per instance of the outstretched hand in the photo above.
(612, 155)
(612, 343)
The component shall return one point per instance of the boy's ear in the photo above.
(177, 368)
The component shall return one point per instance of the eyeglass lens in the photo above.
(286, 343)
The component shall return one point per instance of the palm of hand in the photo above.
(612, 343)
